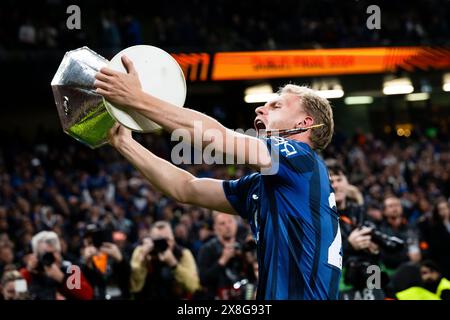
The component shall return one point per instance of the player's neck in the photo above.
(301, 137)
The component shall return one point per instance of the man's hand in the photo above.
(374, 248)
(360, 238)
(87, 253)
(118, 135)
(31, 262)
(117, 87)
(227, 253)
(112, 250)
(353, 192)
(168, 258)
(54, 272)
(147, 246)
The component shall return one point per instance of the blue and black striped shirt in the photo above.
(294, 220)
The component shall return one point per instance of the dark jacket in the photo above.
(118, 273)
(42, 287)
(213, 276)
(393, 259)
(435, 245)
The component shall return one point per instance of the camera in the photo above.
(237, 247)
(249, 246)
(356, 266)
(45, 260)
(159, 246)
(384, 241)
(97, 236)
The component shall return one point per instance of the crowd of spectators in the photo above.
(225, 25)
(68, 210)
(77, 223)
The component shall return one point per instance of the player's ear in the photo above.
(306, 122)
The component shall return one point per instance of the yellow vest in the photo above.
(416, 293)
(443, 285)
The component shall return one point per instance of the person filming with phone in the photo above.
(161, 269)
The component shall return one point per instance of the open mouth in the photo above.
(259, 125)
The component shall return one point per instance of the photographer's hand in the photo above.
(168, 258)
(88, 253)
(112, 250)
(32, 262)
(353, 192)
(54, 272)
(374, 248)
(147, 247)
(359, 239)
(227, 253)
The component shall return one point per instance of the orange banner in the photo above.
(321, 62)
(195, 66)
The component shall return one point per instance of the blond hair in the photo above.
(9, 276)
(319, 109)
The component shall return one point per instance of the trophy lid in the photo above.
(159, 74)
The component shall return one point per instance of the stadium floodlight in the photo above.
(356, 100)
(331, 94)
(420, 96)
(259, 93)
(328, 88)
(446, 85)
(398, 86)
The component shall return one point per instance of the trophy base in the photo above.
(93, 129)
(90, 122)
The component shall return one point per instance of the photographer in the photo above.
(161, 269)
(359, 252)
(104, 265)
(221, 260)
(47, 274)
(349, 202)
(435, 236)
(395, 225)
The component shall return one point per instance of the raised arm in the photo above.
(125, 90)
(169, 179)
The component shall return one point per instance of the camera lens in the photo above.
(47, 259)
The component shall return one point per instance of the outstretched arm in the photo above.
(125, 89)
(169, 179)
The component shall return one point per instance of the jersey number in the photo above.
(334, 251)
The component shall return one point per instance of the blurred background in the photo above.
(389, 158)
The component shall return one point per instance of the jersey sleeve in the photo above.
(241, 194)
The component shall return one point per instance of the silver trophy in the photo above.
(81, 110)
(87, 116)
